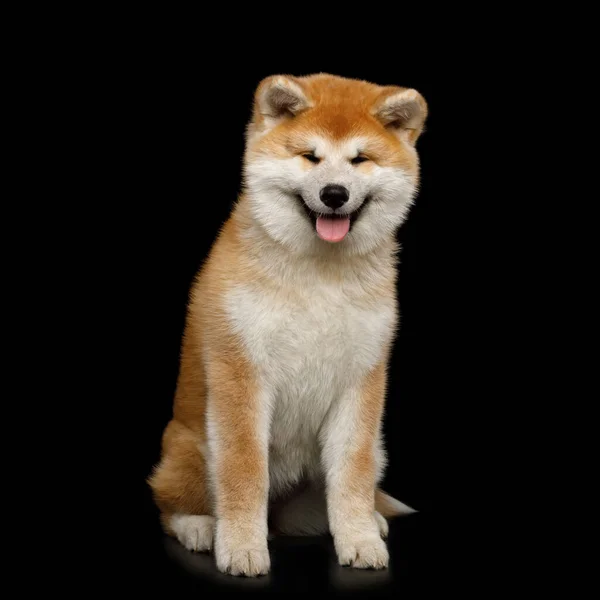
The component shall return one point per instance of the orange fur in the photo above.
(215, 372)
(341, 108)
(360, 477)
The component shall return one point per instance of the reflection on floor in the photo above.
(304, 564)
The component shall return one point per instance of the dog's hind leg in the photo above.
(180, 491)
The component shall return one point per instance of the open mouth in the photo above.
(332, 227)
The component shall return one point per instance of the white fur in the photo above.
(238, 553)
(240, 547)
(274, 183)
(305, 513)
(313, 336)
(362, 553)
(312, 344)
(193, 531)
(357, 540)
(339, 437)
(382, 524)
(311, 347)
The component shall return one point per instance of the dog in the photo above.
(277, 417)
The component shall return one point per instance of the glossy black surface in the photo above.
(298, 565)
(182, 163)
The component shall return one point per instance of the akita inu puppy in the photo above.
(278, 409)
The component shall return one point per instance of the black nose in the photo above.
(334, 196)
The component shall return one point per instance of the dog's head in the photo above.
(331, 160)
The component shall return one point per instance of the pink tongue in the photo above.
(332, 230)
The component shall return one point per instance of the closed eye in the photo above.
(359, 159)
(311, 157)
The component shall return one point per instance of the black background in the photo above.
(173, 131)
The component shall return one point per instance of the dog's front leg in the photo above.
(237, 419)
(350, 462)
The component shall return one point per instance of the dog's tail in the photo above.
(389, 507)
(306, 512)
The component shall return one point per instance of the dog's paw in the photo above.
(195, 532)
(237, 554)
(382, 524)
(362, 553)
(249, 562)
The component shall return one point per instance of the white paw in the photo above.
(249, 561)
(382, 524)
(195, 532)
(362, 553)
(240, 554)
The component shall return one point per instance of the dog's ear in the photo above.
(277, 98)
(402, 111)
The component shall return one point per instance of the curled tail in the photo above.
(306, 512)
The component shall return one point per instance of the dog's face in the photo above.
(332, 161)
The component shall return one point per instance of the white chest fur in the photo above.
(308, 346)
